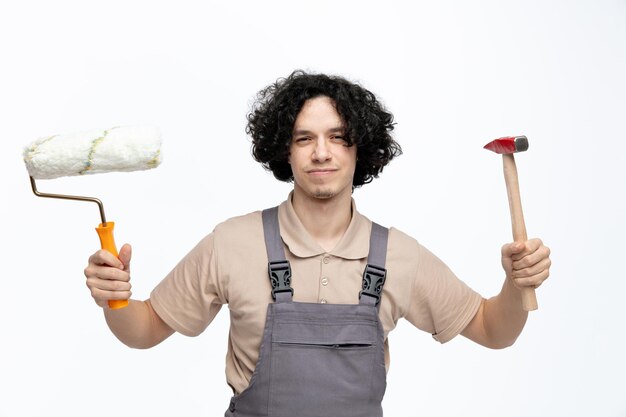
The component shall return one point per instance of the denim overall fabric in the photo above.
(317, 360)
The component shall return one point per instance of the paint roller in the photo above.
(121, 149)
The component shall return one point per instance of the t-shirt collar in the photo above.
(353, 245)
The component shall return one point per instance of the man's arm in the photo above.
(108, 278)
(137, 325)
(500, 319)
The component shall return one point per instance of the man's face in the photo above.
(321, 162)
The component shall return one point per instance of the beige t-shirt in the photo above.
(229, 266)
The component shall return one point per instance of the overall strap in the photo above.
(375, 272)
(278, 266)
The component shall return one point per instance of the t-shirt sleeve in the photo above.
(441, 303)
(190, 296)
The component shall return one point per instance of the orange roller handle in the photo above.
(107, 242)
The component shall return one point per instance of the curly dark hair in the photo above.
(368, 125)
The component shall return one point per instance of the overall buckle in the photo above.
(280, 277)
(373, 280)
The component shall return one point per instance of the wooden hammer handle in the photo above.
(529, 299)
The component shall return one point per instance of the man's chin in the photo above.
(323, 194)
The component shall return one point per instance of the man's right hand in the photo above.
(108, 278)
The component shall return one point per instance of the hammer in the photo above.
(507, 146)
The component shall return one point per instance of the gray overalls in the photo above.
(318, 360)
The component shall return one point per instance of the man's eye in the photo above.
(338, 138)
(302, 139)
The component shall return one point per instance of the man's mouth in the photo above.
(321, 171)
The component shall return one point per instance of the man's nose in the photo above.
(321, 152)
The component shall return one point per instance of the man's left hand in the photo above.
(526, 263)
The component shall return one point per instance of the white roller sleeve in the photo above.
(128, 148)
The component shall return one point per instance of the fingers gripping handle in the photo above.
(529, 299)
(107, 242)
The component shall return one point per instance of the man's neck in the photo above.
(326, 219)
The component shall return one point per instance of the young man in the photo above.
(308, 333)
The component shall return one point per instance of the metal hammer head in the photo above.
(508, 144)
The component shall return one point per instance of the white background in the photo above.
(455, 74)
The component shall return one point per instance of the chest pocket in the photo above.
(327, 365)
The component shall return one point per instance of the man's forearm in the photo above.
(137, 325)
(503, 316)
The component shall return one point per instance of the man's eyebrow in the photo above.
(301, 132)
